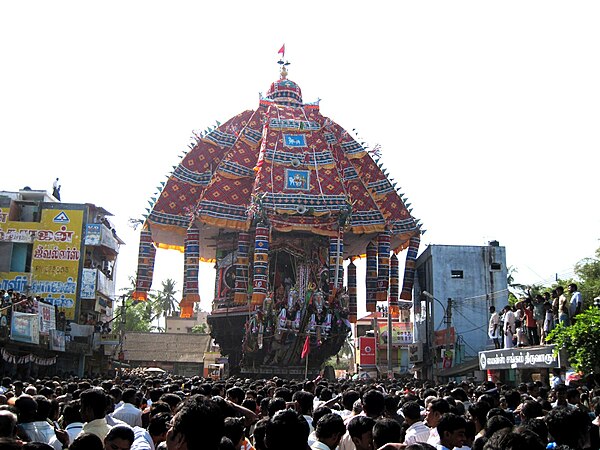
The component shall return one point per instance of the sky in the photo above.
(486, 112)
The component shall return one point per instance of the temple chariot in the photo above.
(281, 200)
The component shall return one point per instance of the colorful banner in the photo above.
(447, 358)
(402, 333)
(26, 359)
(366, 346)
(55, 255)
(47, 318)
(57, 340)
(25, 328)
(93, 234)
(444, 337)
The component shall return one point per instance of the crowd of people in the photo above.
(141, 412)
(530, 320)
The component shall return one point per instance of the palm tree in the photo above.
(164, 301)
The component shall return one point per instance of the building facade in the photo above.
(177, 353)
(63, 256)
(176, 324)
(454, 288)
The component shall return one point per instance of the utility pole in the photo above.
(123, 320)
(448, 320)
(389, 344)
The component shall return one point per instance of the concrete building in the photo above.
(178, 353)
(176, 324)
(65, 255)
(466, 281)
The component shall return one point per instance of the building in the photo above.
(65, 255)
(372, 343)
(454, 288)
(178, 353)
(176, 324)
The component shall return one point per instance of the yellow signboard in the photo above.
(54, 256)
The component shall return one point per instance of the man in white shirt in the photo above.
(509, 327)
(494, 327)
(435, 410)
(304, 405)
(330, 430)
(576, 302)
(360, 429)
(72, 420)
(128, 412)
(32, 420)
(417, 430)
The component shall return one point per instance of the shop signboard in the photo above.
(57, 340)
(47, 318)
(542, 357)
(367, 350)
(55, 256)
(25, 327)
(415, 352)
(444, 337)
(402, 333)
(88, 284)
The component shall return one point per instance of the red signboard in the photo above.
(367, 350)
(445, 337)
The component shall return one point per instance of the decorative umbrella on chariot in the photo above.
(277, 198)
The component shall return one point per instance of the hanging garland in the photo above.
(14, 359)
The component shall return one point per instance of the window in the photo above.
(496, 266)
(456, 274)
(21, 257)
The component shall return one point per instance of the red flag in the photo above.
(282, 51)
(306, 348)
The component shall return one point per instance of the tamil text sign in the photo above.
(519, 358)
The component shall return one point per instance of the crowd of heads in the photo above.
(175, 412)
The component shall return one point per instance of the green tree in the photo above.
(581, 341)
(588, 272)
(138, 315)
(518, 291)
(200, 328)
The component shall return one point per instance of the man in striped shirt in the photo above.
(417, 430)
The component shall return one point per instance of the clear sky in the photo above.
(487, 112)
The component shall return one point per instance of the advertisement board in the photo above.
(47, 318)
(55, 255)
(25, 328)
(93, 234)
(109, 339)
(441, 336)
(519, 358)
(57, 340)
(415, 352)
(88, 284)
(367, 350)
(402, 333)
